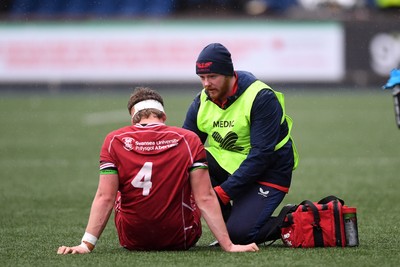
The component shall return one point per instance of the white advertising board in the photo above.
(167, 51)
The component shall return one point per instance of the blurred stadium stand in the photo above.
(92, 9)
(362, 18)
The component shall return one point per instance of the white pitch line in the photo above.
(32, 163)
(98, 118)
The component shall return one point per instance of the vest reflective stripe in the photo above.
(289, 121)
(229, 130)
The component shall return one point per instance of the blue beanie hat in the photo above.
(214, 58)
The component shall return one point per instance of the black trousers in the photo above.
(249, 216)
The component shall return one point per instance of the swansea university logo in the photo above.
(128, 143)
(227, 142)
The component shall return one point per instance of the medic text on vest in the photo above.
(223, 124)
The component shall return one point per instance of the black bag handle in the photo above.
(314, 209)
(279, 220)
(330, 198)
(317, 230)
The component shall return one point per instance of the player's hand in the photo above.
(73, 250)
(243, 248)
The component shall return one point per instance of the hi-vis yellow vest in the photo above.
(229, 130)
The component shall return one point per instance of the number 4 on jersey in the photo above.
(143, 178)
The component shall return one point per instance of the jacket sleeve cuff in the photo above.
(223, 196)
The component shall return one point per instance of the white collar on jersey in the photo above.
(152, 124)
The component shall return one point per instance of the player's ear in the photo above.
(132, 116)
(132, 111)
(164, 117)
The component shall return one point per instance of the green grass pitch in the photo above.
(348, 142)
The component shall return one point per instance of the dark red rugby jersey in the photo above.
(153, 163)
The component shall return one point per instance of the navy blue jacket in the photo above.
(262, 164)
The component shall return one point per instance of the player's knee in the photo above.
(241, 235)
